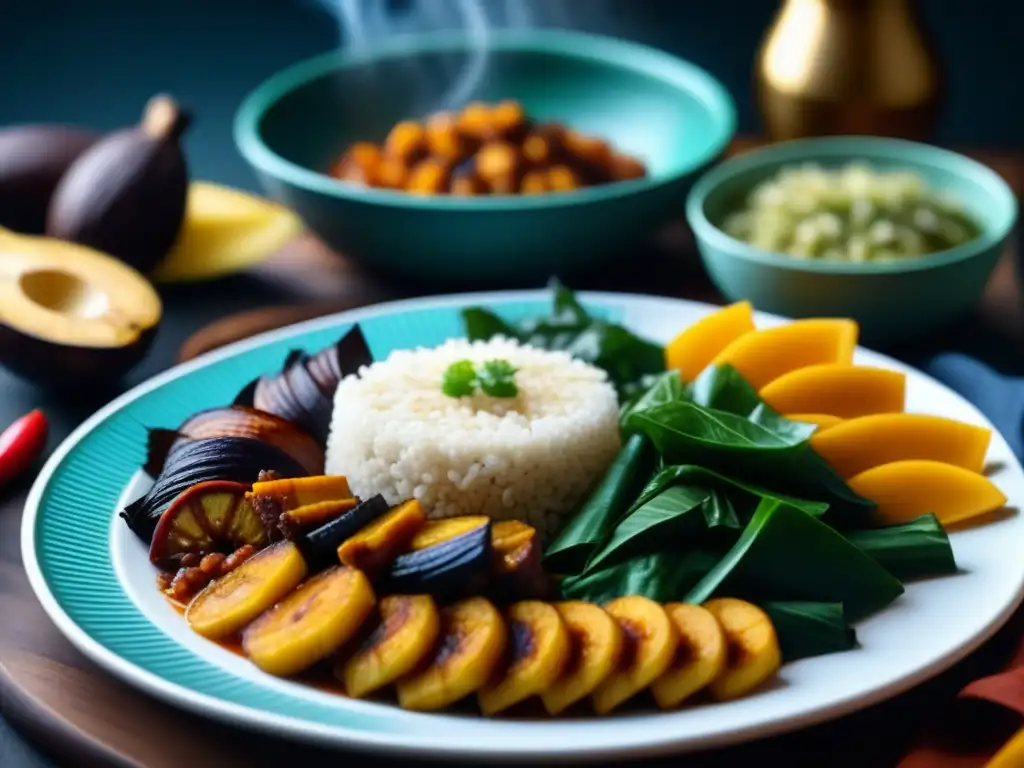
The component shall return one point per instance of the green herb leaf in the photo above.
(602, 508)
(497, 378)
(667, 387)
(482, 324)
(810, 629)
(719, 510)
(909, 551)
(786, 554)
(459, 379)
(663, 577)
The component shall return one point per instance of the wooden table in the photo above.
(83, 716)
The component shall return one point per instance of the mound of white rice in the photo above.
(532, 457)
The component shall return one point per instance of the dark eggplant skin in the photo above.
(455, 568)
(320, 546)
(238, 459)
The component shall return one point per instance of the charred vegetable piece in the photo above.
(518, 573)
(700, 656)
(300, 491)
(597, 643)
(236, 421)
(752, 647)
(539, 649)
(238, 459)
(233, 601)
(404, 636)
(209, 517)
(452, 569)
(378, 544)
(650, 638)
(472, 642)
(311, 623)
(321, 544)
(436, 531)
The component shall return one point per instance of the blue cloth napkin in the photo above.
(999, 397)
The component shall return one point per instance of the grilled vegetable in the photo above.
(518, 573)
(470, 649)
(238, 459)
(540, 647)
(753, 653)
(700, 656)
(455, 568)
(311, 623)
(209, 517)
(321, 513)
(404, 636)
(596, 647)
(300, 491)
(321, 544)
(294, 506)
(435, 532)
(378, 544)
(650, 637)
(231, 602)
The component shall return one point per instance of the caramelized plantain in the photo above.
(650, 638)
(404, 636)
(597, 643)
(435, 532)
(752, 647)
(539, 650)
(518, 572)
(472, 642)
(311, 623)
(700, 656)
(231, 602)
(379, 543)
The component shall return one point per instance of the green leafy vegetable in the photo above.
(459, 379)
(668, 387)
(908, 551)
(663, 576)
(601, 510)
(784, 553)
(494, 377)
(810, 629)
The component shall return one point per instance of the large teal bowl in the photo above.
(892, 301)
(670, 113)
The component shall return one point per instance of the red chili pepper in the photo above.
(21, 443)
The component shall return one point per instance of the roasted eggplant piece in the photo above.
(239, 459)
(752, 648)
(437, 531)
(209, 517)
(470, 649)
(236, 421)
(700, 657)
(377, 545)
(452, 569)
(331, 365)
(537, 654)
(597, 643)
(230, 603)
(321, 544)
(518, 573)
(405, 634)
(312, 623)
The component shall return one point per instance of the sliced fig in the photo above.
(209, 517)
(321, 544)
(539, 649)
(650, 638)
(471, 645)
(377, 545)
(597, 642)
(230, 603)
(699, 659)
(407, 629)
(312, 623)
(454, 568)
(752, 647)
(518, 573)
(435, 532)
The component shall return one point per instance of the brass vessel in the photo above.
(830, 67)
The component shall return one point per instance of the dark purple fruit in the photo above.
(320, 546)
(457, 567)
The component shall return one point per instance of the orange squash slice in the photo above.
(847, 391)
(697, 345)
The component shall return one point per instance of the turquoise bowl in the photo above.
(674, 116)
(892, 301)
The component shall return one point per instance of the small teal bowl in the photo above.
(892, 301)
(674, 116)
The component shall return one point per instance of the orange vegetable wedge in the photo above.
(763, 356)
(847, 391)
(907, 489)
(856, 445)
(697, 345)
(753, 653)
(700, 657)
(822, 420)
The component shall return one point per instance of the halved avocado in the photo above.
(70, 315)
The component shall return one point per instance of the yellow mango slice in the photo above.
(763, 356)
(696, 346)
(225, 230)
(907, 489)
(847, 391)
(856, 445)
(821, 420)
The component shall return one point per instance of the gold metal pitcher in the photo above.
(848, 67)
